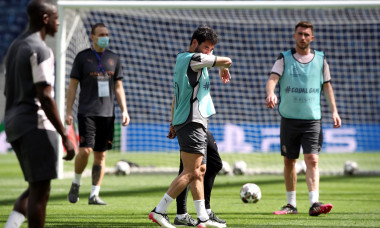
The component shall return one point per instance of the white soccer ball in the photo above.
(250, 193)
(240, 168)
(300, 167)
(350, 167)
(226, 169)
(122, 168)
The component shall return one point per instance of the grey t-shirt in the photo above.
(28, 62)
(97, 82)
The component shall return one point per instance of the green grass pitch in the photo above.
(356, 200)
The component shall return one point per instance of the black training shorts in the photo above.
(37, 154)
(192, 138)
(96, 132)
(296, 133)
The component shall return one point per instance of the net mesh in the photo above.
(148, 41)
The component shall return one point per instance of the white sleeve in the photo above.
(199, 61)
(278, 67)
(43, 71)
(326, 71)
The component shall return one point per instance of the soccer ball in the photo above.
(300, 167)
(226, 169)
(350, 167)
(250, 193)
(240, 168)
(122, 168)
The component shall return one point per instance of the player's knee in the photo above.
(289, 162)
(191, 176)
(99, 157)
(197, 173)
(217, 166)
(311, 163)
(40, 190)
(214, 165)
(202, 169)
(86, 151)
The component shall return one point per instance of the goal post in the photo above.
(215, 4)
(148, 34)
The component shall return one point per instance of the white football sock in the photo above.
(313, 197)
(15, 220)
(201, 210)
(163, 206)
(94, 190)
(77, 178)
(208, 211)
(291, 196)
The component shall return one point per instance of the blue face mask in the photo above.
(103, 41)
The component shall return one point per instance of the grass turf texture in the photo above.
(356, 200)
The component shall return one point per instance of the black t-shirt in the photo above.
(29, 61)
(97, 81)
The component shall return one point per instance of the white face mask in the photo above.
(103, 41)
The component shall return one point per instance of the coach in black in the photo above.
(98, 72)
(31, 117)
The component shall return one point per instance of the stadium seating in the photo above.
(13, 20)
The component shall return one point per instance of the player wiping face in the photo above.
(207, 48)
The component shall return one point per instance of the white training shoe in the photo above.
(210, 224)
(161, 219)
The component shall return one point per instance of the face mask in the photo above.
(103, 41)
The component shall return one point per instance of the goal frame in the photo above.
(61, 41)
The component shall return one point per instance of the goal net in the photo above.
(148, 36)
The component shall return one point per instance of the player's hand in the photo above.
(126, 119)
(271, 101)
(337, 121)
(70, 152)
(69, 119)
(224, 74)
(172, 133)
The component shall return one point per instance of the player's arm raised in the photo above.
(224, 63)
(200, 61)
(271, 99)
